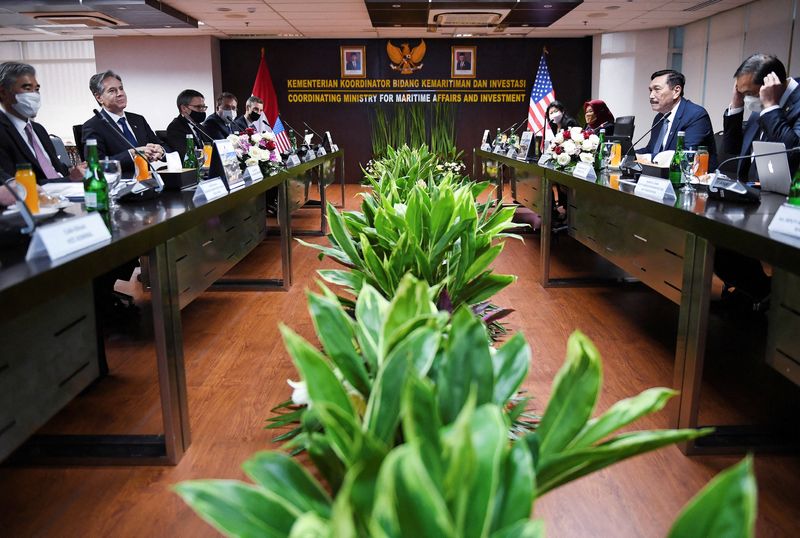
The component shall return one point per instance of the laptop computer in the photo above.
(773, 170)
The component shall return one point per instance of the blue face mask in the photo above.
(227, 115)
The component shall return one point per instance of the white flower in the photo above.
(587, 157)
(594, 139)
(300, 392)
(576, 133)
(269, 136)
(234, 139)
(570, 148)
(563, 159)
(587, 145)
(251, 161)
(256, 138)
(559, 139)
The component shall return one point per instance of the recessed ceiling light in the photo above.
(398, 25)
(395, 5)
(200, 23)
(547, 6)
(526, 25)
(167, 26)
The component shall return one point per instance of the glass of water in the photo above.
(687, 170)
(112, 171)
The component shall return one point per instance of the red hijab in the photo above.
(602, 114)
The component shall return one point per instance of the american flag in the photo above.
(542, 94)
(284, 144)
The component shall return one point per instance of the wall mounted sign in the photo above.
(405, 59)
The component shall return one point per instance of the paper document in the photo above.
(72, 190)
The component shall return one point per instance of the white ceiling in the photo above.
(349, 18)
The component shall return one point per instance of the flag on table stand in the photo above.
(263, 89)
(542, 95)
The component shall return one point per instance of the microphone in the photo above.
(724, 188)
(625, 164)
(23, 209)
(313, 131)
(159, 182)
(202, 132)
(742, 157)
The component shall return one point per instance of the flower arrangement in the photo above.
(257, 148)
(571, 146)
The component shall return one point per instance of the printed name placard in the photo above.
(544, 159)
(485, 138)
(498, 149)
(786, 220)
(584, 171)
(654, 188)
(512, 153)
(486, 147)
(209, 190)
(292, 161)
(253, 174)
(68, 236)
(334, 148)
(321, 151)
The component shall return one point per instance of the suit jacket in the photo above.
(14, 150)
(695, 122)
(176, 135)
(217, 128)
(240, 124)
(113, 146)
(778, 125)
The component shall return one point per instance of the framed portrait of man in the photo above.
(353, 59)
(462, 61)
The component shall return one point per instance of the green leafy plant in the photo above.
(443, 131)
(456, 477)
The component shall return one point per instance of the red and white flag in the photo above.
(263, 89)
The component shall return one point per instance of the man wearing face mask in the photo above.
(192, 112)
(761, 80)
(21, 139)
(253, 116)
(220, 124)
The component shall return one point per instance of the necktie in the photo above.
(662, 137)
(127, 132)
(41, 157)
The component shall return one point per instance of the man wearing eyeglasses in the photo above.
(192, 112)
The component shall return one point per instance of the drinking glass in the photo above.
(112, 171)
(608, 148)
(200, 153)
(687, 170)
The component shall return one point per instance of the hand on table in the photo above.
(76, 172)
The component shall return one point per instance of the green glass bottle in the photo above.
(189, 158)
(293, 140)
(497, 137)
(794, 189)
(601, 150)
(94, 183)
(675, 174)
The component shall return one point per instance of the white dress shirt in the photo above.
(20, 125)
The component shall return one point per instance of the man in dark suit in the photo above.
(762, 77)
(220, 124)
(192, 112)
(353, 62)
(107, 89)
(253, 116)
(463, 64)
(21, 139)
(666, 97)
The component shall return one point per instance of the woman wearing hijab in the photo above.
(557, 119)
(598, 116)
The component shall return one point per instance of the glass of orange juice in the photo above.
(142, 170)
(701, 161)
(616, 154)
(26, 181)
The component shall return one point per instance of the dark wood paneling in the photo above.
(569, 60)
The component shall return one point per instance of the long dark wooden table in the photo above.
(166, 232)
(670, 247)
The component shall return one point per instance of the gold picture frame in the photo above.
(463, 61)
(353, 61)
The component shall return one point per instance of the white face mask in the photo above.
(226, 115)
(28, 104)
(753, 103)
(556, 117)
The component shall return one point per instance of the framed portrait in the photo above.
(463, 61)
(353, 59)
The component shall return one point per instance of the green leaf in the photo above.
(510, 365)
(421, 424)
(325, 459)
(350, 279)
(482, 262)
(332, 252)
(442, 214)
(514, 499)
(621, 414)
(575, 391)
(337, 334)
(481, 288)
(237, 509)
(554, 470)
(375, 266)
(340, 235)
(726, 507)
(282, 475)
(346, 437)
(383, 409)
(323, 385)
(371, 310)
(521, 529)
(310, 525)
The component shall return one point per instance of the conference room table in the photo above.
(52, 344)
(669, 245)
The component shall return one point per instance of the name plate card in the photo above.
(292, 161)
(67, 237)
(498, 149)
(209, 190)
(321, 151)
(584, 171)
(786, 220)
(253, 174)
(512, 153)
(309, 156)
(654, 188)
(485, 138)
(544, 159)
(334, 148)
(486, 147)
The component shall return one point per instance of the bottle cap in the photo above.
(681, 133)
(189, 136)
(702, 148)
(91, 142)
(24, 166)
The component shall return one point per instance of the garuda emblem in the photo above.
(404, 58)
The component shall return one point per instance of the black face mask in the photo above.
(253, 116)
(197, 117)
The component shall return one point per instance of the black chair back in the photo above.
(77, 132)
(61, 150)
(162, 135)
(624, 126)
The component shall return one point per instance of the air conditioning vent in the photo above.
(466, 17)
(702, 5)
(89, 19)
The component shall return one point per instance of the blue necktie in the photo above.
(127, 132)
(661, 136)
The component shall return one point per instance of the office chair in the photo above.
(77, 132)
(61, 150)
(624, 126)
